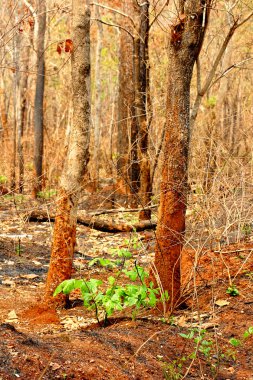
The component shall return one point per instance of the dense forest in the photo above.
(126, 189)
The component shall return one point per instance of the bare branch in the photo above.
(234, 66)
(156, 17)
(245, 20)
(114, 25)
(115, 11)
(208, 82)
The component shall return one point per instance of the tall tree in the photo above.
(25, 54)
(187, 34)
(134, 162)
(64, 238)
(98, 103)
(127, 165)
(142, 103)
(39, 95)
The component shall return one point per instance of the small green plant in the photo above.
(47, 194)
(173, 370)
(232, 290)
(201, 344)
(106, 297)
(19, 249)
(248, 332)
(211, 102)
(205, 346)
(247, 229)
(237, 342)
(249, 275)
(3, 179)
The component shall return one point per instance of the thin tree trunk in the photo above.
(126, 133)
(22, 118)
(75, 166)
(16, 80)
(142, 103)
(39, 97)
(185, 43)
(97, 118)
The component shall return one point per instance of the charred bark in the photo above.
(187, 33)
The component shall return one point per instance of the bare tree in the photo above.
(64, 238)
(142, 105)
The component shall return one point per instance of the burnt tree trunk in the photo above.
(39, 96)
(64, 238)
(187, 33)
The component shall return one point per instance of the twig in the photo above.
(47, 366)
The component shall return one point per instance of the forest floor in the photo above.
(36, 343)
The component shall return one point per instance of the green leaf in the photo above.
(131, 274)
(232, 291)
(248, 332)
(67, 286)
(93, 262)
(111, 280)
(190, 335)
(235, 342)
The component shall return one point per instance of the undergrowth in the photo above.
(128, 288)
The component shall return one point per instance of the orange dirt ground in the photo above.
(36, 343)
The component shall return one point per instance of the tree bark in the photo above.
(77, 158)
(39, 97)
(187, 33)
(98, 103)
(22, 117)
(127, 129)
(141, 110)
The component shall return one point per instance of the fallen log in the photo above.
(96, 224)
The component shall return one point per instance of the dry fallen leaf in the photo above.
(55, 366)
(38, 263)
(8, 282)
(222, 303)
(29, 276)
(182, 321)
(12, 315)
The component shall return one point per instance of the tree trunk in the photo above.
(39, 96)
(98, 103)
(127, 129)
(22, 118)
(141, 110)
(77, 156)
(187, 34)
